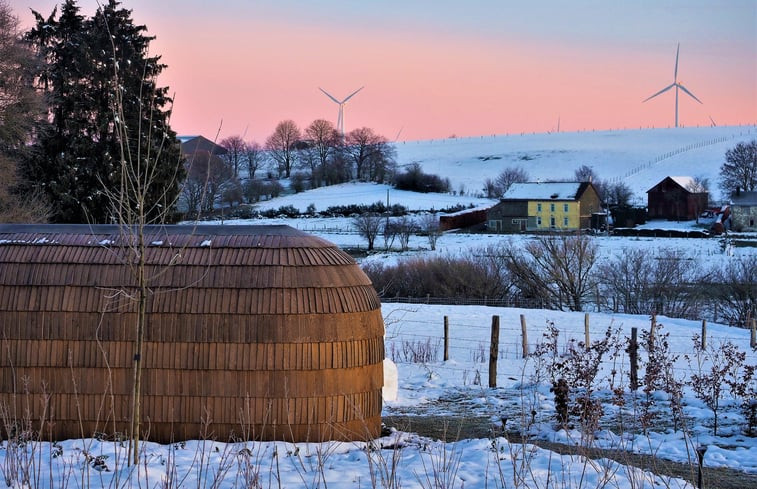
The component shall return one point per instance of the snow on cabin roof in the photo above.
(543, 191)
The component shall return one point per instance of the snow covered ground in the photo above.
(459, 386)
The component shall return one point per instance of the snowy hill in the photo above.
(640, 158)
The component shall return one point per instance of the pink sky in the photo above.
(432, 69)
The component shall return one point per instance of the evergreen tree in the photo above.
(99, 79)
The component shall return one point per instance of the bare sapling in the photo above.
(141, 199)
(659, 377)
(714, 369)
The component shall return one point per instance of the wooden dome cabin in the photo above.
(254, 332)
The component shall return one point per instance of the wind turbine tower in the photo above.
(340, 119)
(675, 84)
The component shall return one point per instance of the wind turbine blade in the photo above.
(329, 95)
(352, 94)
(658, 93)
(690, 94)
(675, 73)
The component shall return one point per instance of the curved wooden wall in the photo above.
(256, 332)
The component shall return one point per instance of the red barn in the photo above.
(676, 198)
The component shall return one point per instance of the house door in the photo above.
(522, 224)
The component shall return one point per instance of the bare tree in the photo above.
(254, 157)
(405, 227)
(371, 154)
(740, 168)
(429, 226)
(131, 207)
(698, 185)
(736, 289)
(585, 173)
(323, 140)
(20, 107)
(281, 146)
(509, 176)
(235, 152)
(491, 190)
(627, 278)
(368, 225)
(557, 267)
(642, 283)
(208, 177)
(617, 194)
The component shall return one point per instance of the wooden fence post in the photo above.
(494, 352)
(652, 327)
(524, 335)
(753, 340)
(587, 340)
(633, 350)
(704, 334)
(446, 338)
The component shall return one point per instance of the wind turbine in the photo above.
(675, 84)
(340, 119)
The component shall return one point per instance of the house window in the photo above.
(564, 222)
(538, 207)
(538, 221)
(565, 207)
(552, 207)
(552, 221)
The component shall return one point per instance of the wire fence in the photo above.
(696, 307)
(424, 341)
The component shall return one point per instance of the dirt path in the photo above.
(451, 428)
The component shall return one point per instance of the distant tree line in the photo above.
(314, 157)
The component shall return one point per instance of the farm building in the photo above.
(260, 332)
(197, 144)
(744, 211)
(462, 219)
(674, 199)
(549, 206)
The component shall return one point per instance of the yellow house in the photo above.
(533, 206)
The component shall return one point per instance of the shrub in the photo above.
(481, 275)
(414, 180)
(298, 182)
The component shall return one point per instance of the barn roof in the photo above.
(201, 143)
(686, 183)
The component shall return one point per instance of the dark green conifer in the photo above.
(104, 104)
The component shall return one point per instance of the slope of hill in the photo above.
(640, 158)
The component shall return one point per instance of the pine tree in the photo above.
(95, 68)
